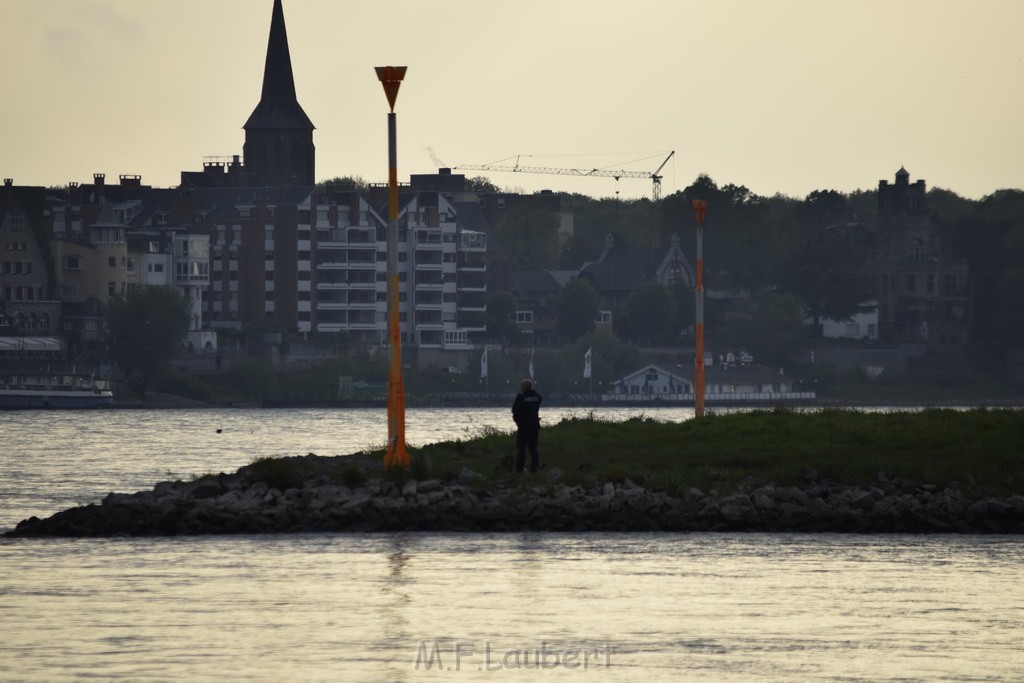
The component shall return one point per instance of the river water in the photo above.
(409, 607)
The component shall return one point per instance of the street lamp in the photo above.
(396, 456)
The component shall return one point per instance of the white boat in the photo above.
(38, 389)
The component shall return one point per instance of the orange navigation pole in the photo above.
(700, 207)
(396, 456)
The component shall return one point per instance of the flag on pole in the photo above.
(531, 364)
(483, 364)
(586, 364)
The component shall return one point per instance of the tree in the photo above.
(768, 325)
(501, 311)
(649, 314)
(826, 276)
(145, 329)
(356, 182)
(530, 237)
(1008, 314)
(577, 305)
(481, 185)
(685, 300)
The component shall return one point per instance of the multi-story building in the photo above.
(94, 264)
(441, 263)
(24, 271)
(924, 293)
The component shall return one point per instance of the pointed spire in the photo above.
(278, 106)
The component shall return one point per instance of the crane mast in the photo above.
(654, 176)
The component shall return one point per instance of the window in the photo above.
(916, 251)
(112, 262)
(930, 283)
(949, 284)
(131, 266)
(111, 288)
(603, 317)
(524, 317)
(911, 282)
(72, 263)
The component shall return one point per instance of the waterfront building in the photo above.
(924, 290)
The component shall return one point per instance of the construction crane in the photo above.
(654, 177)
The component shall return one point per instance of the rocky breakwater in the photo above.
(246, 502)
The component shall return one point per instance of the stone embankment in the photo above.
(243, 503)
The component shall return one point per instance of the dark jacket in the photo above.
(526, 409)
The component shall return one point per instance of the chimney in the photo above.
(98, 178)
(235, 172)
(8, 182)
(133, 181)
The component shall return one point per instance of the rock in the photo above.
(862, 500)
(206, 491)
(468, 476)
(359, 501)
(731, 512)
(428, 485)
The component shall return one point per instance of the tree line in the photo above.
(778, 252)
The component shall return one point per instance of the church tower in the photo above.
(278, 135)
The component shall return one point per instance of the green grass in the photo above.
(725, 451)
(980, 450)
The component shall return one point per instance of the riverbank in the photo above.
(926, 471)
(246, 503)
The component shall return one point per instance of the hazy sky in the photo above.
(781, 96)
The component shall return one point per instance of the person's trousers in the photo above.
(526, 439)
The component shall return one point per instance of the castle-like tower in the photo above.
(279, 147)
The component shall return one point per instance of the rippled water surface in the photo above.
(410, 607)
(384, 607)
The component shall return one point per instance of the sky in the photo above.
(782, 96)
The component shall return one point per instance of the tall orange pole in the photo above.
(396, 456)
(700, 207)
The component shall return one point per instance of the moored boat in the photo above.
(27, 390)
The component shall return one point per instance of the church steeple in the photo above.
(278, 135)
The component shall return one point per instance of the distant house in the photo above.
(536, 293)
(723, 383)
(620, 270)
(859, 326)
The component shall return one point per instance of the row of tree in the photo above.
(777, 249)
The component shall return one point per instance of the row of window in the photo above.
(16, 267)
(911, 282)
(31, 322)
(526, 317)
(22, 293)
(16, 246)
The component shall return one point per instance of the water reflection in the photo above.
(396, 636)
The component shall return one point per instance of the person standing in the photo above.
(526, 415)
